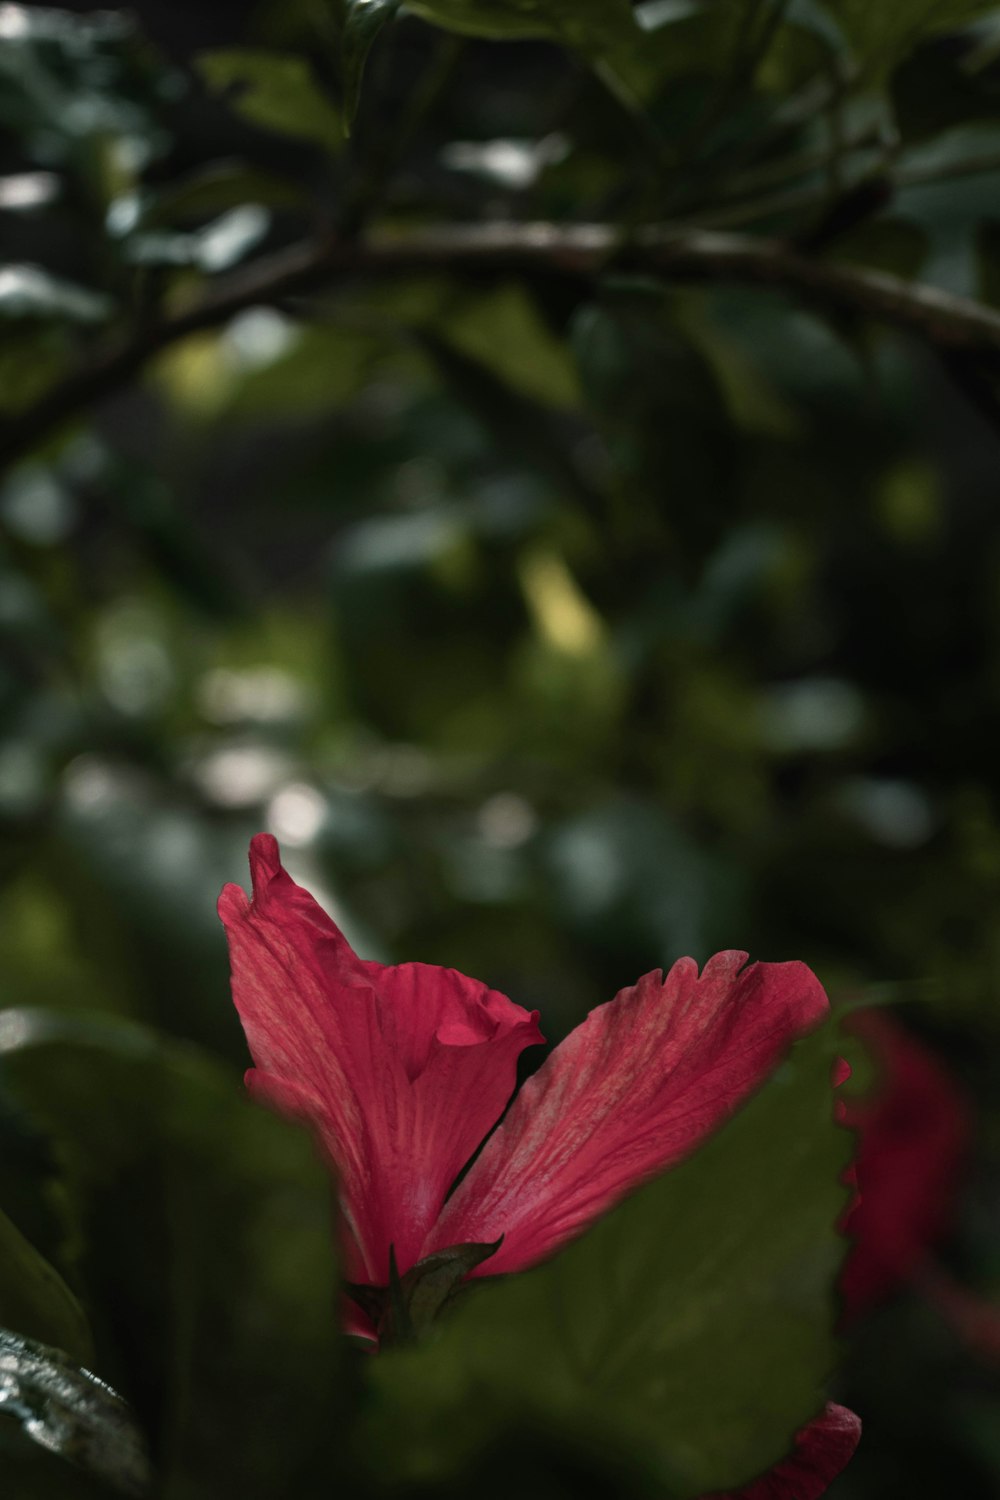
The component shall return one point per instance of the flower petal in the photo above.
(402, 1070)
(634, 1088)
(821, 1451)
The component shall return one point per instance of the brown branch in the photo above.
(583, 250)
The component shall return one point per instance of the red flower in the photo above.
(402, 1070)
(913, 1136)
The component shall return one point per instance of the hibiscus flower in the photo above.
(403, 1071)
(913, 1132)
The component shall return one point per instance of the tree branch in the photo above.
(504, 249)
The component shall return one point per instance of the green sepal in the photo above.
(410, 1304)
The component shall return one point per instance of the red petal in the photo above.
(821, 1451)
(634, 1088)
(913, 1135)
(401, 1070)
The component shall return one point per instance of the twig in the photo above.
(510, 249)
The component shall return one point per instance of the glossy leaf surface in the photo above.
(68, 1411)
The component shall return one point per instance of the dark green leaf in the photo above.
(881, 35)
(653, 1330)
(274, 90)
(217, 187)
(207, 1255)
(34, 1299)
(363, 21)
(590, 26)
(816, 18)
(504, 330)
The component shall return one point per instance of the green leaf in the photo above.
(68, 1411)
(590, 26)
(216, 187)
(816, 19)
(504, 330)
(881, 35)
(207, 1256)
(692, 1325)
(274, 90)
(500, 327)
(31, 292)
(34, 1299)
(363, 21)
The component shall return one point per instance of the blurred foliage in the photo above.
(218, 1272)
(557, 624)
